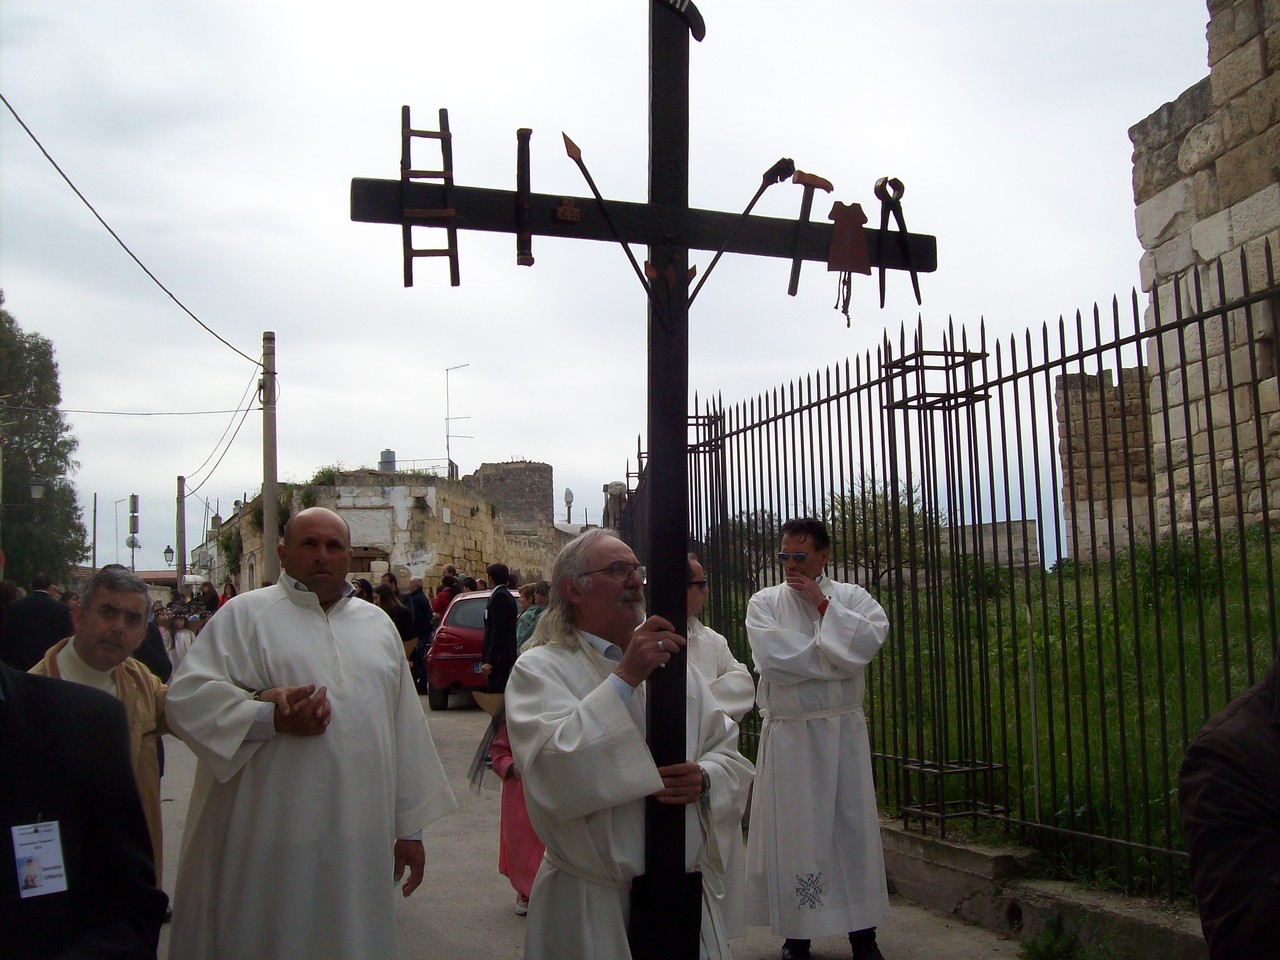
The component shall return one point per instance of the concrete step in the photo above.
(989, 886)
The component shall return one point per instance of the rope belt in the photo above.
(815, 714)
(599, 881)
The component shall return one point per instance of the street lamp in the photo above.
(168, 555)
(448, 419)
(38, 488)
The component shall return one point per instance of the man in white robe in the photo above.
(730, 681)
(316, 771)
(815, 865)
(734, 691)
(576, 715)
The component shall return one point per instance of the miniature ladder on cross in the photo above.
(412, 216)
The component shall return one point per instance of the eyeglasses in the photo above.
(800, 557)
(700, 584)
(620, 570)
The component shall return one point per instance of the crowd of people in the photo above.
(317, 774)
(281, 691)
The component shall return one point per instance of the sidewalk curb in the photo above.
(985, 886)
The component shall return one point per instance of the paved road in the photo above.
(465, 909)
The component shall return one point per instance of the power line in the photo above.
(252, 383)
(116, 237)
(214, 469)
(123, 413)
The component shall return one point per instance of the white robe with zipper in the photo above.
(815, 865)
(734, 689)
(587, 769)
(730, 681)
(288, 844)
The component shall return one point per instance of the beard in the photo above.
(635, 600)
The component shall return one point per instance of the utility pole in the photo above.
(180, 560)
(270, 485)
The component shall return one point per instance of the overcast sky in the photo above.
(219, 140)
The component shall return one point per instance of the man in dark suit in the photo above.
(500, 618)
(1229, 792)
(64, 760)
(33, 624)
(423, 628)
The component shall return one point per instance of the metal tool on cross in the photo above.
(666, 902)
(845, 245)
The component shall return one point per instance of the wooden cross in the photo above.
(666, 901)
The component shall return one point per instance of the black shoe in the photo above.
(794, 950)
(864, 946)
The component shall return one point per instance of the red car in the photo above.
(453, 661)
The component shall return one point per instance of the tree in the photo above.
(35, 442)
(876, 530)
(749, 541)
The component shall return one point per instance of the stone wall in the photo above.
(1003, 544)
(415, 524)
(522, 487)
(1103, 450)
(1206, 179)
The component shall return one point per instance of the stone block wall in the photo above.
(1103, 450)
(428, 522)
(521, 487)
(418, 523)
(1206, 179)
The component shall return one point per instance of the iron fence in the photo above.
(1072, 534)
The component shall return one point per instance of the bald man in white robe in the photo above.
(316, 771)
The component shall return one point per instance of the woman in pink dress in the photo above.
(519, 849)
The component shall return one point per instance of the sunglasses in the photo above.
(799, 557)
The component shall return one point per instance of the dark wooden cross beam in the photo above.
(492, 211)
(666, 901)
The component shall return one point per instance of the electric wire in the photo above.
(125, 247)
(214, 468)
(121, 413)
(240, 406)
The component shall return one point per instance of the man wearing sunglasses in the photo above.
(576, 709)
(815, 867)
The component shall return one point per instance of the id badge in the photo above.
(37, 850)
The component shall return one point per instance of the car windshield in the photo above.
(467, 613)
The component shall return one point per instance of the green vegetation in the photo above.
(35, 443)
(1051, 943)
(231, 547)
(860, 523)
(285, 511)
(1086, 682)
(325, 476)
(1055, 942)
